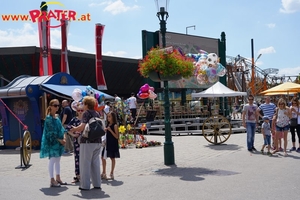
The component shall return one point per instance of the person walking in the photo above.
(266, 131)
(53, 141)
(267, 109)
(250, 119)
(132, 105)
(295, 109)
(89, 162)
(65, 117)
(76, 121)
(112, 144)
(282, 118)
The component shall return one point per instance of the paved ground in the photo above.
(202, 171)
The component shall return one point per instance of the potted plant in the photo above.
(166, 64)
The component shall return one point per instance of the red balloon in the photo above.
(144, 95)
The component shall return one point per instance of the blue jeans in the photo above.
(250, 128)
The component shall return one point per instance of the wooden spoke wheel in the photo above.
(216, 129)
(26, 148)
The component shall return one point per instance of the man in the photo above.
(250, 119)
(267, 108)
(66, 116)
(132, 105)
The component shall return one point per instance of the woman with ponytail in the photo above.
(53, 141)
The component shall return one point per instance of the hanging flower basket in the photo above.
(156, 77)
(165, 65)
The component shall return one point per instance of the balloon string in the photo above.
(11, 112)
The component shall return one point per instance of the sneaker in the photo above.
(262, 152)
(253, 148)
(280, 149)
(269, 154)
(298, 150)
(250, 150)
(293, 149)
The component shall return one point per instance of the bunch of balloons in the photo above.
(79, 94)
(146, 92)
(207, 67)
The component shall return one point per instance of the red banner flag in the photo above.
(101, 84)
(64, 63)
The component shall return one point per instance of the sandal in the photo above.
(103, 176)
(112, 177)
(61, 183)
(54, 184)
(75, 180)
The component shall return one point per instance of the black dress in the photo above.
(112, 144)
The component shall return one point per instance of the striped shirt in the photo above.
(268, 109)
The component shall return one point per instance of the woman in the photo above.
(76, 121)
(53, 142)
(295, 114)
(282, 118)
(89, 163)
(112, 144)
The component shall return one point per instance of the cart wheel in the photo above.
(216, 129)
(26, 148)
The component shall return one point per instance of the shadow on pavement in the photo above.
(92, 194)
(53, 191)
(219, 147)
(112, 182)
(192, 174)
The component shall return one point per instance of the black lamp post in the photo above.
(162, 14)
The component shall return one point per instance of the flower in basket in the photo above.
(122, 129)
(166, 62)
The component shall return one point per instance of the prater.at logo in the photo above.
(59, 14)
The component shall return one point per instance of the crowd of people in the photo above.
(276, 124)
(63, 133)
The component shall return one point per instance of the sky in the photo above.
(272, 24)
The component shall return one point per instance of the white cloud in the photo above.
(271, 25)
(27, 35)
(290, 71)
(115, 7)
(115, 54)
(290, 6)
(267, 50)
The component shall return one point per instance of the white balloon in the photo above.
(77, 94)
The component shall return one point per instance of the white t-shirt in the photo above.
(132, 102)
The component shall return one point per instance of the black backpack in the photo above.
(94, 129)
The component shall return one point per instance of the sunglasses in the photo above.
(80, 110)
(250, 99)
(55, 105)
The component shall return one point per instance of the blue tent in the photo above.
(24, 98)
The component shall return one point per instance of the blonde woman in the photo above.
(281, 122)
(53, 142)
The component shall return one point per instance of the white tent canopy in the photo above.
(219, 90)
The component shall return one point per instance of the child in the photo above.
(112, 144)
(266, 131)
